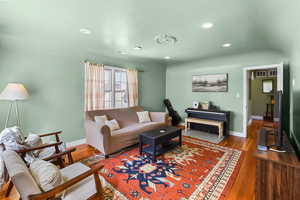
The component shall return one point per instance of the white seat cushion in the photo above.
(82, 190)
(100, 119)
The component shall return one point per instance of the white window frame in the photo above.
(113, 70)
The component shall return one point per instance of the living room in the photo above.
(50, 47)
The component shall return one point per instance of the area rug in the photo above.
(196, 171)
(210, 137)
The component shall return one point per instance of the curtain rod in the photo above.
(85, 61)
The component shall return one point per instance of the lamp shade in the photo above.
(14, 91)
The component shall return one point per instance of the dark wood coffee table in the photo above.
(159, 142)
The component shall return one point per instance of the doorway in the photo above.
(260, 85)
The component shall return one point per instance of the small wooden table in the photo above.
(219, 124)
(159, 142)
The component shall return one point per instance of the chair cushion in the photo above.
(46, 174)
(20, 174)
(143, 116)
(83, 189)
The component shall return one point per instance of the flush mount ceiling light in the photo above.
(85, 31)
(227, 45)
(207, 25)
(165, 39)
(138, 47)
(167, 57)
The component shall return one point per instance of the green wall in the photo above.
(55, 82)
(179, 82)
(258, 99)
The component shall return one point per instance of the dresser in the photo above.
(277, 174)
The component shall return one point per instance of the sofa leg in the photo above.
(106, 156)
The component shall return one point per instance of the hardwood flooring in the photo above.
(244, 186)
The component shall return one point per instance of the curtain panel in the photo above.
(133, 87)
(94, 87)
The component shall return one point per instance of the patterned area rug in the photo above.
(197, 170)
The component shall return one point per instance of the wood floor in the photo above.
(244, 186)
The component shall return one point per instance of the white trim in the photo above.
(76, 142)
(279, 68)
(238, 134)
(257, 117)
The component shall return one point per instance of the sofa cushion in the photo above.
(143, 116)
(100, 119)
(124, 116)
(137, 128)
(112, 124)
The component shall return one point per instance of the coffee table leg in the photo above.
(154, 152)
(141, 146)
(180, 139)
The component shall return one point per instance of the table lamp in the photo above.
(13, 92)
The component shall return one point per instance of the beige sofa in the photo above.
(100, 136)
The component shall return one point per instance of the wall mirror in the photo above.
(267, 86)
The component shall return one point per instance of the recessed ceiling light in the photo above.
(167, 57)
(227, 45)
(85, 31)
(138, 47)
(207, 25)
(122, 52)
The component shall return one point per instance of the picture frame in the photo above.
(267, 86)
(210, 83)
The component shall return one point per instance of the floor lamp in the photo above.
(14, 92)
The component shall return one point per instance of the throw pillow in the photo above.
(112, 124)
(34, 140)
(12, 138)
(100, 119)
(143, 116)
(46, 174)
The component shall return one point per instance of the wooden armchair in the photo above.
(56, 158)
(82, 182)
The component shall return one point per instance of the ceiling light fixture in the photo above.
(167, 57)
(138, 47)
(227, 45)
(207, 25)
(165, 39)
(85, 31)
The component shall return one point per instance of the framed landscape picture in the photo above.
(210, 83)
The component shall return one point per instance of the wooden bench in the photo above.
(218, 124)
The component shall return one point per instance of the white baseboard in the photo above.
(76, 142)
(238, 134)
(257, 117)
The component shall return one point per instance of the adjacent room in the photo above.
(149, 100)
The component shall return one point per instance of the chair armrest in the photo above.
(159, 117)
(39, 147)
(56, 134)
(59, 155)
(48, 134)
(51, 193)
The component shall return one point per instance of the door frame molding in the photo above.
(279, 68)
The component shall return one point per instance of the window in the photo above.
(116, 91)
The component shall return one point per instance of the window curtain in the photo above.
(94, 86)
(133, 87)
